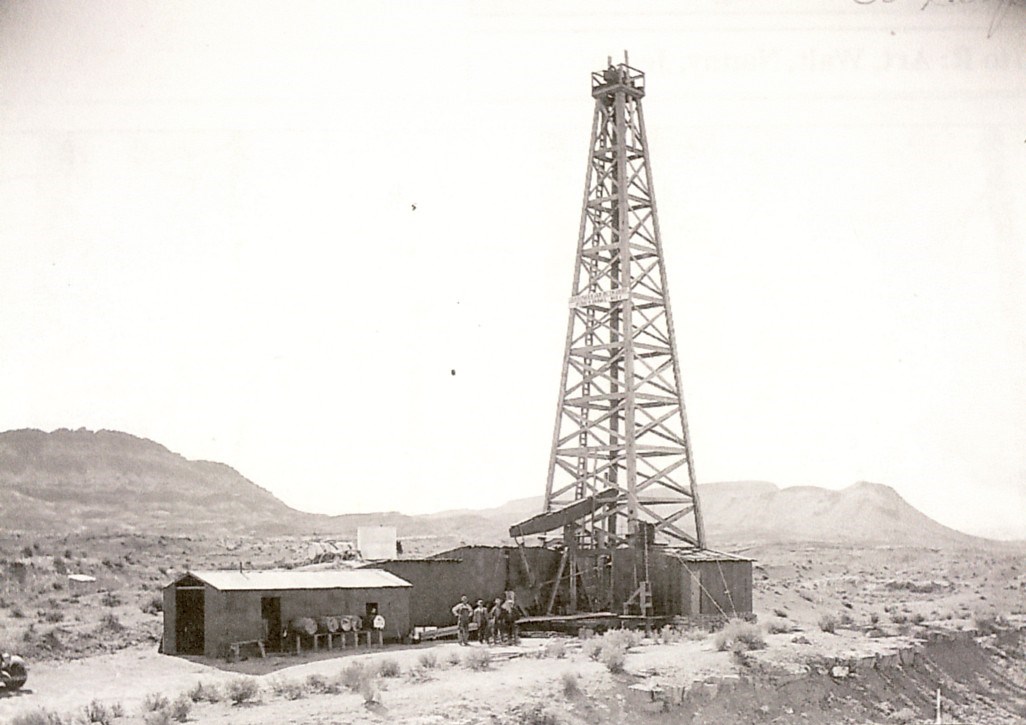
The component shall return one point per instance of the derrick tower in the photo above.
(620, 447)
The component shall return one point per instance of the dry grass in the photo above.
(242, 689)
(478, 659)
(739, 636)
(555, 649)
(201, 692)
(571, 684)
(389, 667)
(154, 701)
(289, 689)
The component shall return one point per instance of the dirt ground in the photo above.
(98, 642)
(527, 683)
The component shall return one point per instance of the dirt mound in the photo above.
(980, 681)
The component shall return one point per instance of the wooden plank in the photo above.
(568, 514)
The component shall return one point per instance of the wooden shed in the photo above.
(205, 612)
(479, 572)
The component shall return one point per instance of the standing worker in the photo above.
(495, 616)
(511, 612)
(481, 620)
(463, 613)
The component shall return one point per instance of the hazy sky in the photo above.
(207, 237)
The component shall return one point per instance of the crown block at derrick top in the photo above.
(618, 78)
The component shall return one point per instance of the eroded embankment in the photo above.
(981, 679)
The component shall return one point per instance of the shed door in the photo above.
(189, 620)
(270, 612)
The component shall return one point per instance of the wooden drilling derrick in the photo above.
(621, 471)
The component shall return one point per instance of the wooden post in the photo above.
(559, 577)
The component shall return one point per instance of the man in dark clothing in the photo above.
(511, 613)
(463, 613)
(481, 620)
(495, 619)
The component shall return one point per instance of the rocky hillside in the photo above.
(76, 480)
(84, 480)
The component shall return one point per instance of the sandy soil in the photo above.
(886, 591)
(520, 677)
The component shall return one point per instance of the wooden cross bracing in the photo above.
(620, 419)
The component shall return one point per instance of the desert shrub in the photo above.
(571, 687)
(534, 713)
(777, 625)
(97, 712)
(17, 612)
(694, 634)
(154, 701)
(330, 686)
(204, 693)
(389, 667)
(592, 648)
(369, 689)
(739, 635)
(828, 623)
(846, 619)
(27, 552)
(158, 717)
(623, 638)
(988, 622)
(153, 605)
(555, 648)
(179, 709)
(53, 616)
(453, 657)
(874, 618)
(899, 617)
(111, 623)
(428, 660)
(39, 717)
(780, 613)
(613, 657)
(478, 659)
(289, 689)
(242, 689)
(904, 716)
(59, 566)
(354, 675)
(110, 599)
(918, 618)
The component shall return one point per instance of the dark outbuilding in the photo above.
(205, 612)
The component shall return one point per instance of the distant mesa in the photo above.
(86, 480)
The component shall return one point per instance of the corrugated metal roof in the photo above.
(706, 555)
(336, 579)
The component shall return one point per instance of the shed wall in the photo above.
(435, 586)
(233, 616)
(724, 588)
(237, 614)
(486, 572)
(169, 645)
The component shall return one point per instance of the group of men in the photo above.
(494, 625)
